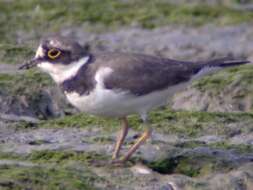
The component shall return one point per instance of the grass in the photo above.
(18, 178)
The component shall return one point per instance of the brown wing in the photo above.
(141, 74)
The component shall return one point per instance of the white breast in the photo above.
(100, 101)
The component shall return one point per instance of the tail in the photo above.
(204, 68)
(223, 62)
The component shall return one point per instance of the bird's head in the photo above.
(59, 56)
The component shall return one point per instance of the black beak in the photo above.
(29, 64)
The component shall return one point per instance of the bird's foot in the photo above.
(104, 163)
(98, 163)
(117, 162)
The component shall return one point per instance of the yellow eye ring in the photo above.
(53, 53)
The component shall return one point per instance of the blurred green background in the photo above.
(24, 22)
(34, 16)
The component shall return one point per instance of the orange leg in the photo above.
(137, 144)
(121, 138)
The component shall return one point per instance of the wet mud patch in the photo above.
(200, 162)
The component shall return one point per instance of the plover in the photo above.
(117, 84)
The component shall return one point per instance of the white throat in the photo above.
(60, 72)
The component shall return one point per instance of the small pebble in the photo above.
(141, 169)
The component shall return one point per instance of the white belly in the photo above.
(118, 104)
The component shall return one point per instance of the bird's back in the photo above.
(143, 74)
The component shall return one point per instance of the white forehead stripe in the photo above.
(39, 52)
(54, 43)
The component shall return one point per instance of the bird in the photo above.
(117, 84)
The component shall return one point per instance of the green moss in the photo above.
(229, 78)
(26, 91)
(48, 156)
(59, 157)
(182, 123)
(17, 178)
(38, 142)
(100, 139)
(190, 144)
(163, 166)
(192, 164)
(14, 54)
(198, 123)
(90, 121)
(5, 79)
(242, 1)
(239, 148)
(25, 84)
(81, 120)
(9, 156)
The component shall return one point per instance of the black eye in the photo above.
(53, 53)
